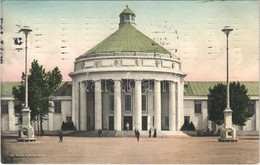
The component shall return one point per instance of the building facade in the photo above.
(127, 78)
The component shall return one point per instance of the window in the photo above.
(128, 102)
(4, 106)
(57, 106)
(144, 102)
(68, 118)
(187, 118)
(197, 105)
(127, 17)
(111, 102)
(167, 121)
(251, 107)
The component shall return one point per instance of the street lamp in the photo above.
(26, 31)
(228, 133)
(26, 133)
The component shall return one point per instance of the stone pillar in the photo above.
(74, 100)
(138, 105)
(50, 120)
(172, 118)
(83, 106)
(11, 116)
(117, 105)
(179, 115)
(157, 105)
(98, 105)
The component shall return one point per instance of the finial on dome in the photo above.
(126, 6)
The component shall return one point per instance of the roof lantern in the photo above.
(127, 16)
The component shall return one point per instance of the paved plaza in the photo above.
(125, 150)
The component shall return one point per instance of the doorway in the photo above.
(144, 123)
(111, 122)
(128, 119)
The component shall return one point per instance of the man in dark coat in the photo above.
(155, 133)
(61, 136)
(150, 132)
(137, 135)
(99, 132)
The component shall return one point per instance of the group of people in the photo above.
(154, 133)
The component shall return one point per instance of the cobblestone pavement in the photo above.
(125, 150)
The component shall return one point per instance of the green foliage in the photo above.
(41, 85)
(187, 126)
(67, 126)
(191, 126)
(239, 102)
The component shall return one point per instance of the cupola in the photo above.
(127, 17)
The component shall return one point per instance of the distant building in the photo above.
(127, 78)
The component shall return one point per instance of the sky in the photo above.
(64, 30)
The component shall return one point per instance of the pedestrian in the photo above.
(127, 126)
(135, 132)
(99, 132)
(61, 136)
(137, 135)
(154, 133)
(150, 132)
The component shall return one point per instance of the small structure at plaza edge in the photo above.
(128, 70)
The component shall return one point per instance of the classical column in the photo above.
(157, 105)
(83, 106)
(180, 117)
(117, 105)
(172, 125)
(138, 105)
(75, 103)
(98, 105)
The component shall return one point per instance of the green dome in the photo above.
(127, 39)
(127, 11)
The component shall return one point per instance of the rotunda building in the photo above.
(127, 80)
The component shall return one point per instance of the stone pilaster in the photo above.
(172, 107)
(11, 115)
(138, 105)
(117, 105)
(157, 105)
(98, 105)
(83, 106)
(50, 116)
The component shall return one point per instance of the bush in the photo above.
(185, 126)
(67, 125)
(191, 127)
(188, 126)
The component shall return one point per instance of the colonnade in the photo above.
(175, 108)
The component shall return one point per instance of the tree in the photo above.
(41, 85)
(239, 102)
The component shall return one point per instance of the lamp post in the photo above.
(26, 133)
(26, 31)
(228, 133)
